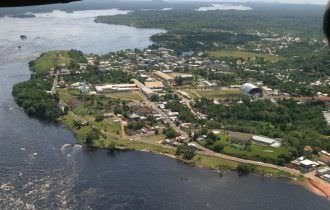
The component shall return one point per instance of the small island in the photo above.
(157, 101)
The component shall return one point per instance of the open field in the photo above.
(67, 94)
(132, 95)
(154, 138)
(255, 151)
(109, 125)
(51, 60)
(212, 93)
(68, 121)
(243, 54)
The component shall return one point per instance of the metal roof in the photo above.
(249, 88)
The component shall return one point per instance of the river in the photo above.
(41, 170)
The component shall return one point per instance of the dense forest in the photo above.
(188, 29)
(32, 97)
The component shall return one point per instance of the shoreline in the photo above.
(317, 188)
(312, 186)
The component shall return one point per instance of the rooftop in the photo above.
(155, 84)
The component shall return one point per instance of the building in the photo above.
(116, 88)
(251, 90)
(147, 92)
(326, 177)
(307, 166)
(154, 85)
(266, 141)
(210, 84)
(323, 171)
(304, 165)
(324, 157)
(184, 79)
(164, 76)
(84, 89)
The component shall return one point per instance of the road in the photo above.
(55, 82)
(164, 115)
(209, 152)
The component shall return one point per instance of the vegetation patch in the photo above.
(131, 96)
(243, 55)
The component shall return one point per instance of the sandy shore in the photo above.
(318, 187)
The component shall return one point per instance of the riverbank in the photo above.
(217, 164)
(200, 160)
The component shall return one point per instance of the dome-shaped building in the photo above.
(251, 90)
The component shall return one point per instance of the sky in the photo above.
(295, 1)
(282, 1)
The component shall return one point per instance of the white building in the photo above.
(266, 141)
(115, 88)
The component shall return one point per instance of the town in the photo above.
(159, 102)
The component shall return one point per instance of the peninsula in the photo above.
(153, 100)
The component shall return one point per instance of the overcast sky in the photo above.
(285, 1)
(295, 1)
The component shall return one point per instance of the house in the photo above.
(326, 177)
(134, 116)
(304, 165)
(307, 166)
(323, 171)
(324, 157)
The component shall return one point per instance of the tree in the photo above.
(178, 80)
(244, 169)
(111, 146)
(170, 133)
(154, 97)
(99, 118)
(186, 152)
(92, 135)
(218, 146)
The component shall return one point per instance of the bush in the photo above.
(186, 151)
(170, 133)
(244, 169)
(99, 118)
(92, 136)
(218, 146)
(111, 146)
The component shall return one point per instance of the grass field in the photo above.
(68, 121)
(135, 95)
(67, 95)
(243, 54)
(109, 125)
(212, 93)
(255, 152)
(50, 60)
